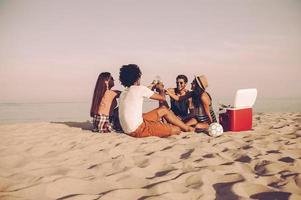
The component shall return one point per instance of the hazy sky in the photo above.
(54, 50)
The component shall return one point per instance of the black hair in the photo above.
(197, 92)
(181, 76)
(129, 74)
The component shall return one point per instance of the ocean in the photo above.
(79, 111)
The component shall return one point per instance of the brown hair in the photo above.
(99, 91)
(182, 76)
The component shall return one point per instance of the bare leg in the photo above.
(202, 125)
(191, 122)
(175, 130)
(173, 119)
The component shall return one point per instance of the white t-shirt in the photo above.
(130, 107)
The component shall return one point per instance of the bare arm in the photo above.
(179, 98)
(163, 103)
(158, 97)
(160, 89)
(206, 103)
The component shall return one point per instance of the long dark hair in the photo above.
(196, 96)
(99, 91)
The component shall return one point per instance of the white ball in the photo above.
(215, 130)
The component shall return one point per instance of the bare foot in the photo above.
(191, 129)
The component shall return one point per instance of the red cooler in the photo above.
(239, 117)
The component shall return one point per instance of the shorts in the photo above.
(152, 126)
(103, 123)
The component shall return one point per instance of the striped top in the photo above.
(204, 118)
(201, 115)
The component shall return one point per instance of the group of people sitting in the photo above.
(189, 110)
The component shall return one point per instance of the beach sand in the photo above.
(65, 161)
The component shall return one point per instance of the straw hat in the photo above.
(202, 81)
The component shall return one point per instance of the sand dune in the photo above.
(65, 161)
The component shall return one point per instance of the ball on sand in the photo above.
(215, 130)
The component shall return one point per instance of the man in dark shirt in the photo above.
(180, 108)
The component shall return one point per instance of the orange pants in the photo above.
(152, 126)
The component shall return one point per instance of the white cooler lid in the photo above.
(245, 98)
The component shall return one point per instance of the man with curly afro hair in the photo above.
(138, 124)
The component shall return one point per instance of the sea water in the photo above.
(79, 111)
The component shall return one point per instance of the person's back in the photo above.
(130, 106)
(108, 103)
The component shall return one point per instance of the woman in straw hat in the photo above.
(203, 114)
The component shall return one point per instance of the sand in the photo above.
(65, 161)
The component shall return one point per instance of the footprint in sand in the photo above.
(244, 159)
(260, 167)
(279, 126)
(247, 189)
(298, 180)
(150, 153)
(278, 184)
(194, 181)
(271, 195)
(273, 151)
(228, 163)
(247, 146)
(187, 154)
(93, 166)
(223, 186)
(268, 168)
(209, 155)
(198, 160)
(286, 173)
(166, 148)
(161, 173)
(141, 161)
(287, 159)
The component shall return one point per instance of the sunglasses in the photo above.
(180, 82)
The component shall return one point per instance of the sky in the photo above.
(53, 51)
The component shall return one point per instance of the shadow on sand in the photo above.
(83, 125)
